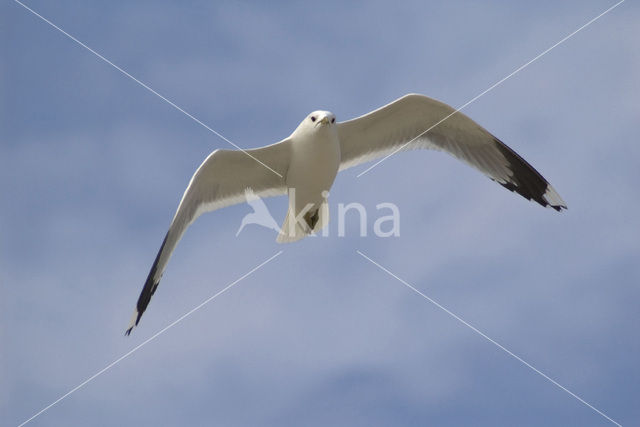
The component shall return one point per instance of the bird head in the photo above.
(316, 121)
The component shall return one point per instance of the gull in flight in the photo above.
(305, 164)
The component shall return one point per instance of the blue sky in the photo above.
(93, 166)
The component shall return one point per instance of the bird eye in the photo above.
(333, 120)
(313, 118)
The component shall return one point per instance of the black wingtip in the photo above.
(140, 313)
(149, 289)
(150, 286)
(527, 181)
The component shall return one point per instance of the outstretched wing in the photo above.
(416, 121)
(220, 181)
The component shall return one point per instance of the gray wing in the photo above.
(416, 121)
(220, 181)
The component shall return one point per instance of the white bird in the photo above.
(260, 215)
(304, 166)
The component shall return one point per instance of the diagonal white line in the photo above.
(483, 335)
(144, 85)
(493, 86)
(143, 343)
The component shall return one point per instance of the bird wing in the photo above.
(416, 121)
(221, 180)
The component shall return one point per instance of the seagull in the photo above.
(260, 215)
(304, 165)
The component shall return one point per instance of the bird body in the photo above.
(304, 166)
(313, 167)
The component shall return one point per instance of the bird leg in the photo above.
(311, 218)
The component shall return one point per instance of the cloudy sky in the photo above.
(93, 165)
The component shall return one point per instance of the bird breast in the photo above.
(315, 161)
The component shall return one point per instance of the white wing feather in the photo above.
(221, 180)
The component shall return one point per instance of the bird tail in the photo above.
(296, 227)
(292, 230)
